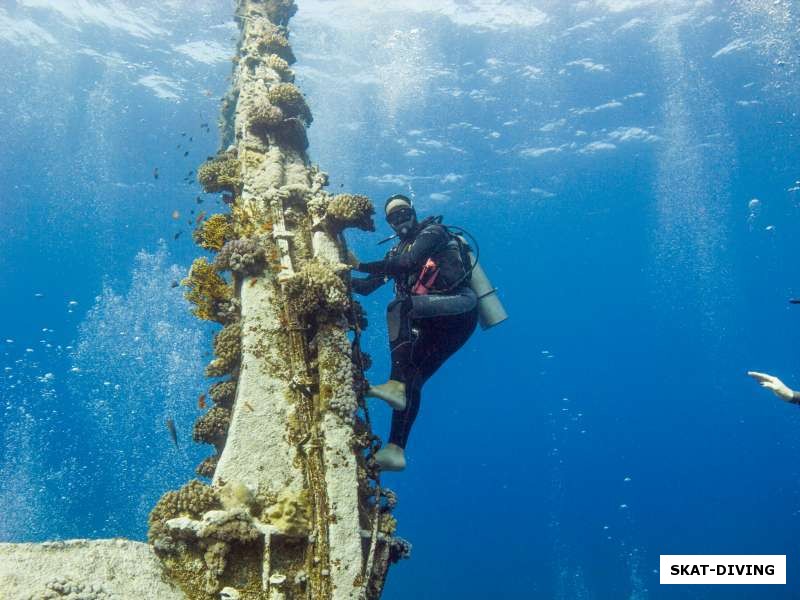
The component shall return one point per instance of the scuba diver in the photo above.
(434, 312)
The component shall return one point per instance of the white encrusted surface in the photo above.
(257, 451)
(120, 569)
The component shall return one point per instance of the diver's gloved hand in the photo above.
(780, 389)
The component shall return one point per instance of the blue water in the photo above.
(606, 154)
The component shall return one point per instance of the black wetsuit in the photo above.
(424, 330)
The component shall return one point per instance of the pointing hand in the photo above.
(780, 389)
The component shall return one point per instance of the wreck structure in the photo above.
(294, 508)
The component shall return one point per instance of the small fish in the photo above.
(199, 200)
(178, 147)
(173, 433)
(190, 173)
(174, 283)
(183, 134)
(227, 198)
(201, 401)
(177, 235)
(200, 217)
(190, 138)
(155, 173)
(176, 214)
(253, 281)
(247, 406)
(186, 153)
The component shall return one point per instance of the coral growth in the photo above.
(291, 101)
(351, 210)
(400, 549)
(221, 174)
(207, 291)
(243, 256)
(336, 374)
(214, 232)
(280, 11)
(275, 62)
(212, 427)
(227, 349)
(317, 289)
(192, 500)
(290, 513)
(273, 41)
(208, 466)
(223, 393)
(264, 117)
(388, 524)
(66, 588)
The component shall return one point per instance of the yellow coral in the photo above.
(207, 290)
(220, 174)
(388, 524)
(352, 210)
(290, 514)
(214, 232)
(290, 100)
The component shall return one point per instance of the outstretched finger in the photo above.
(760, 376)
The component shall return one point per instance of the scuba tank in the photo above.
(490, 310)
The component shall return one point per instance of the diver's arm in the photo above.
(367, 285)
(430, 239)
(780, 389)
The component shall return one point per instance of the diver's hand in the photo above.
(780, 389)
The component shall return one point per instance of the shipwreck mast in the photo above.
(286, 425)
(295, 510)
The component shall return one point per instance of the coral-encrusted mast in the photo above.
(295, 510)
